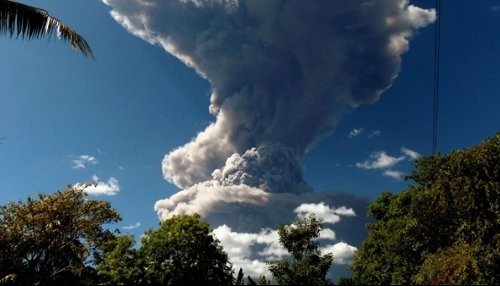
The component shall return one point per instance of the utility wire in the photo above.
(437, 36)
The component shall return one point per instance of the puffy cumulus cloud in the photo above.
(280, 71)
(97, 188)
(249, 209)
(245, 220)
(246, 208)
(251, 250)
(380, 160)
(393, 174)
(243, 249)
(342, 252)
(327, 233)
(324, 212)
(412, 155)
(83, 160)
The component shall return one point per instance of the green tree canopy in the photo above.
(121, 264)
(20, 20)
(54, 238)
(442, 230)
(306, 266)
(183, 251)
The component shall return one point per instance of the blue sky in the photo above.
(67, 119)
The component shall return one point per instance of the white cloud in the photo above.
(393, 174)
(342, 252)
(359, 131)
(375, 133)
(410, 153)
(109, 188)
(419, 17)
(380, 160)
(327, 233)
(495, 8)
(84, 160)
(324, 212)
(251, 250)
(239, 247)
(245, 219)
(356, 132)
(132, 226)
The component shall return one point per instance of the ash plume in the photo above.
(282, 72)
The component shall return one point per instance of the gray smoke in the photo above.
(281, 70)
(270, 167)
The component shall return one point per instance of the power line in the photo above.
(437, 36)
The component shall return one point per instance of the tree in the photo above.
(307, 266)
(29, 22)
(183, 251)
(442, 230)
(121, 264)
(54, 238)
(240, 280)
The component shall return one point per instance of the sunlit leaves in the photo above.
(52, 237)
(121, 264)
(444, 229)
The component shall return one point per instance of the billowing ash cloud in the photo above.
(270, 167)
(282, 72)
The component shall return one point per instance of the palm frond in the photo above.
(20, 20)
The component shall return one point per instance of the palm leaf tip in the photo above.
(29, 22)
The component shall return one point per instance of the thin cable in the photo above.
(437, 36)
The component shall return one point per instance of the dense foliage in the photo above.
(59, 239)
(121, 264)
(53, 239)
(306, 266)
(442, 230)
(183, 251)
